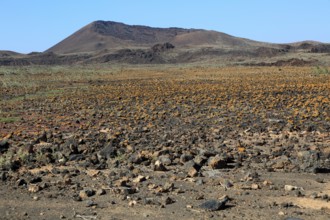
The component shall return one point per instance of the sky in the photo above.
(36, 25)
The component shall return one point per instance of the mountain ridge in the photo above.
(115, 42)
(100, 35)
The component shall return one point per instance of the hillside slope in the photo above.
(109, 35)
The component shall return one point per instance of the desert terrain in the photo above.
(164, 142)
(134, 122)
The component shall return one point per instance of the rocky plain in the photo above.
(165, 142)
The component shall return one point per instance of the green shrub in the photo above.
(321, 70)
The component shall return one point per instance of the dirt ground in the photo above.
(165, 143)
(246, 204)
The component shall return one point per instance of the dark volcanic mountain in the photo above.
(101, 35)
(113, 42)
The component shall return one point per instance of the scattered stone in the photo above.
(251, 176)
(255, 186)
(34, 188)
(86, 193)
(298, 193)
(272, 187)
(185, 158)
(267, 183)
(287, 204)
(214, 205)
(122, 182)
(281, 213)
(192, 168)
(124, 190)
(281, 163)
(200, 160)
(62, 160)
(130, 148)
(217, 163)
(107, 152)
(165, 159)
(25, 214)
(245, 187)
(179, 191)
(192, 172)
(159, 166)
(15, 165)
(67, 180)
(304, 155)
(132, 203)
(168, 201)
(193, 153)
(90, 203)
(71, 146)
(100, 192)
(168, 187)
(139, 179)
(4, 146)
(199, 182)
(320, 170)
(291, 188)
(326, 152)
(200, 197)
(325, 197)
(226, 184)
(76, 198)
(76, 157)
(313, 195)
(55, 171)
(3, 176)
(36, 180)
(136, 158)
(151, 201)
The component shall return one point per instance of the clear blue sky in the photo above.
(36, 25)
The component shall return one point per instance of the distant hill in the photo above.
(114, 42)
(8, 53)
(101, 35)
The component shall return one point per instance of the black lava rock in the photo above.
(4, 145)
(214, 205)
